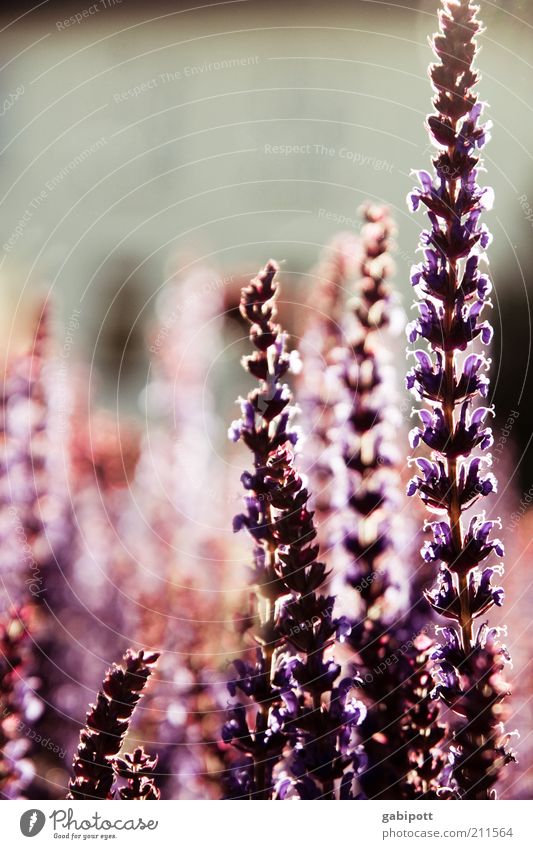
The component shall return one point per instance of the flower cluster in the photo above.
(298, 741)
(453, 288)
(24, 488)
(366, 417)
(389, 660)
(138, 769)
(19, 705)
(319, 388)
(36, 527)
(420, 731)
(95, 764)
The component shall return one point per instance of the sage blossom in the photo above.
(297, 741)
(108, 720)
(390, 653)
(449, 378)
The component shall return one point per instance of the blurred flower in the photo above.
(392, 670)
(17, 704)
(318, 388)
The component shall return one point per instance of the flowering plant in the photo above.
(299, 742)
(454, 289)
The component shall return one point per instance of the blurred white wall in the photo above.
(235, 131)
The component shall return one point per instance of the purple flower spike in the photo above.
(318, 386)
(453, 294)
(400, 735)
(286, 723)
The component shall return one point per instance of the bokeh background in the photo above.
(143, 141)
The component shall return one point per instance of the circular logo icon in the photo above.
(32, 822)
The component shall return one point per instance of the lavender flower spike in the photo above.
(453, 291)
(95, 763)
(400, 734)
(292, 723)
(319, 390)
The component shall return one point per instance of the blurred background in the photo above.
(140, 141)
(230, 132)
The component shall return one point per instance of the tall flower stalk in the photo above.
(95, 763)
(17, 703)
(37, 531)
(390, 652)
(365, 429)
(297, 738)
(319, 389)
(449, 380)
